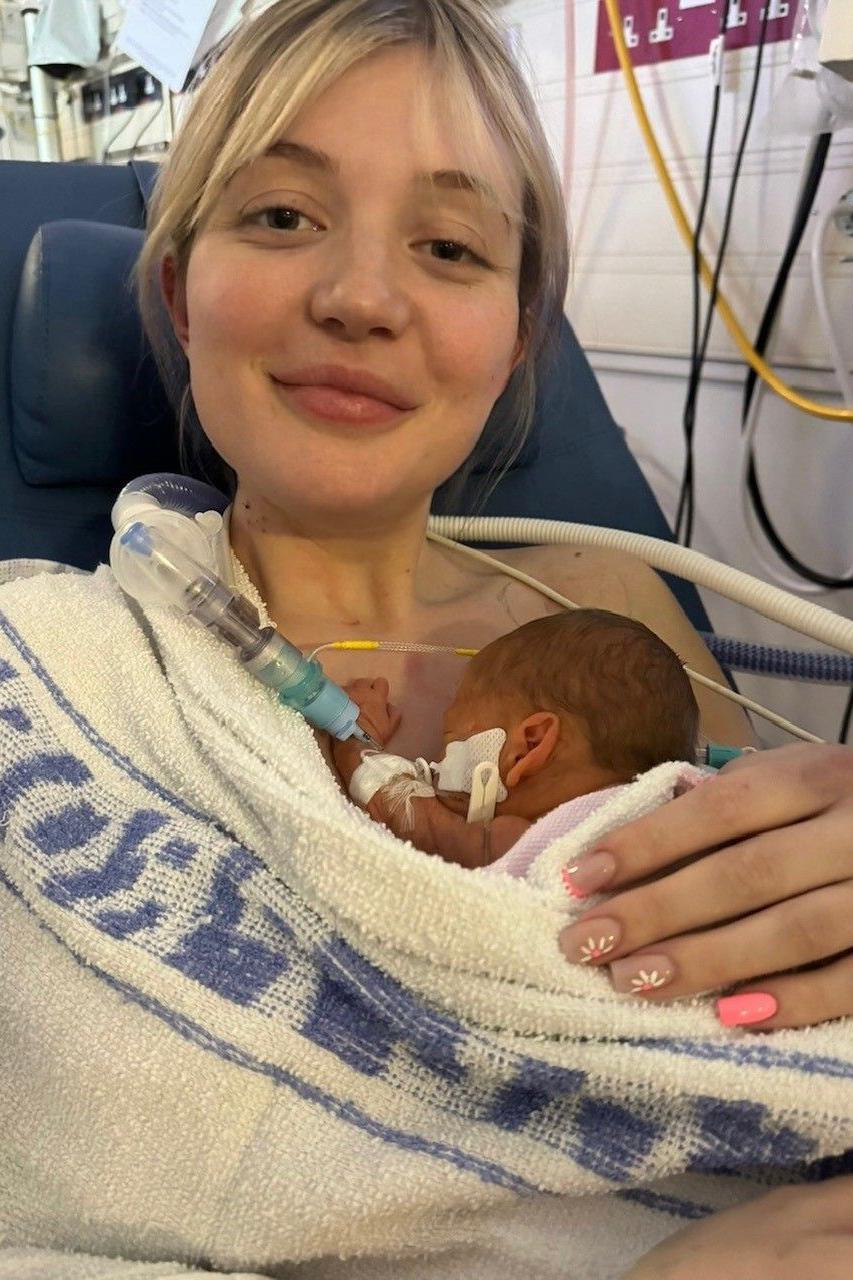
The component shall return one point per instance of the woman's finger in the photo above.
(795, 1000)
(732, 882)
(792, 933)
(735, 804)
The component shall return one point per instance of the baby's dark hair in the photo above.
(617, 675)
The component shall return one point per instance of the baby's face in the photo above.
(469, 714)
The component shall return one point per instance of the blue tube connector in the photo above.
(715, 757)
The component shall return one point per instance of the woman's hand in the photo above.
(788, 1234)
(768, 888)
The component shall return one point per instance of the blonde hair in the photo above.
(277, 64)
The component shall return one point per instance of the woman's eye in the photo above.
(453, 245)
(281, 217)
(278, 217)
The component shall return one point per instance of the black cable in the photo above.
(845, 721)
(765, 332)
(693, 389)
(688, 417)
(810, 185)
(795, 236)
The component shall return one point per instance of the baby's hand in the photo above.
(378, 716)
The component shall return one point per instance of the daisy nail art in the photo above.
(638, 977)
(586, 941)
(595, 947)
(647, 981)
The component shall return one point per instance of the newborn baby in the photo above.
(564, 705)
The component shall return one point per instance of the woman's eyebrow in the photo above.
(446, 179)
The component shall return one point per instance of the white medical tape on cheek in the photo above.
(403, 781)
(456, 771)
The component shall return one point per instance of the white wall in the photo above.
(630, 299)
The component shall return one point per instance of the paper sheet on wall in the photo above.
(169, 37)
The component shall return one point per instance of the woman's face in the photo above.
(362, 267)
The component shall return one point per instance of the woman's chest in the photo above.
(422, 685)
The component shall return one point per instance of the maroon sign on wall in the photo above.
(658, 32)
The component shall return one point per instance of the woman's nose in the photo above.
(361, 291)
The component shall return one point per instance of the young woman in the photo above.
(360, 241)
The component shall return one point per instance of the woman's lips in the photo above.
(338, 406)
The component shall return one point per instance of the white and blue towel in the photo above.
(242, 1026)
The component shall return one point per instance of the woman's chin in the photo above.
(292, 510)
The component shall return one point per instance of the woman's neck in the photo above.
(373, 577)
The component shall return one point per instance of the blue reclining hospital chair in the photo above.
(82, 410)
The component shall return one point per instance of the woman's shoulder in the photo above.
(594, 576)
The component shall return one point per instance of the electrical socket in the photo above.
(662, 31)
(736, 16)
(631, 37)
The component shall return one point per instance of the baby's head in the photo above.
(588, 699)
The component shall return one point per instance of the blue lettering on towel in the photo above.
(345, 1024)
(612, 1139)
(732, 1134)
(70, 828)
(121, 869)
(216, 953)
(45, 766)
(7, 671)
(536, 1084)
(122, 924)
(359, 1013)
(177, 853)
(17, 718)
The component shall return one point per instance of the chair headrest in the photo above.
(87, 403)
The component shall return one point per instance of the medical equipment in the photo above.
(470, 767)
(699, 349)
(170, 554)
(188, 515)
(812, 666)
(728, 317)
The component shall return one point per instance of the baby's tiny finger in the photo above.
(797, 999)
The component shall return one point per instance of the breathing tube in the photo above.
(169, 548)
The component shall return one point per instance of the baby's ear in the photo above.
(529, 746)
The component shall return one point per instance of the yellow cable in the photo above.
(351, 644)
(395, 646)
(391, 644)
(813, 407)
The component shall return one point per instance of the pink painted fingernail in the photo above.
(742, 1010)
(589, 872)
